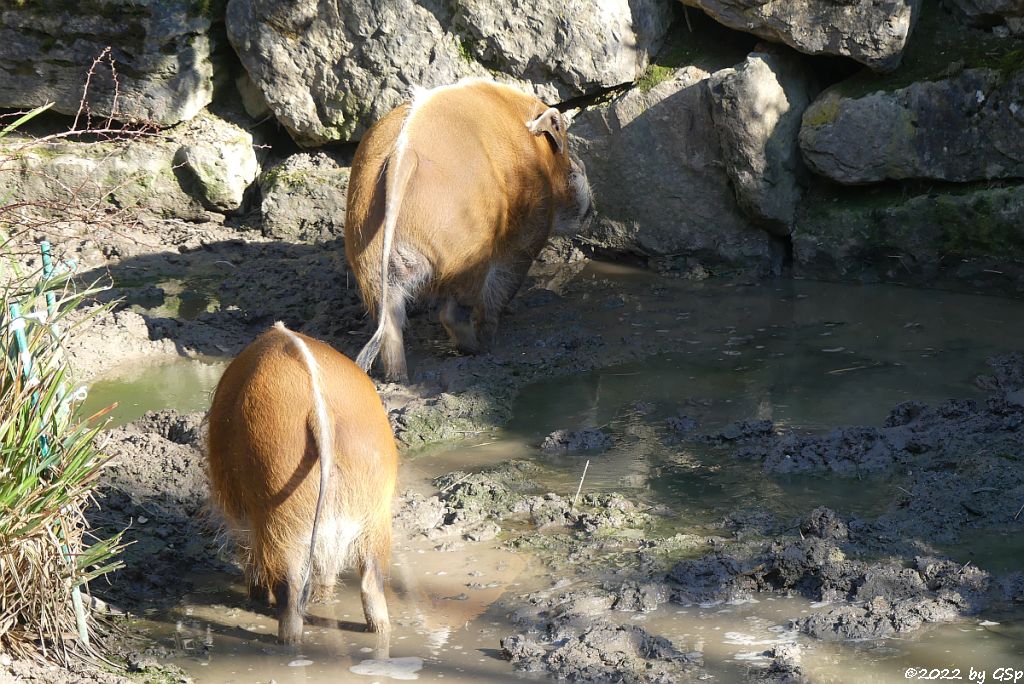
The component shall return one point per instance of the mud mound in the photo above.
(571, 441)
(575, 637)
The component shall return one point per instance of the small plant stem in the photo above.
(580, 488)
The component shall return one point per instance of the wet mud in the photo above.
(653, 541)
(867, 578)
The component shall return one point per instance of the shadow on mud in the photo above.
(214, 299)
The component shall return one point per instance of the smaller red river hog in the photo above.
(286, 406)
(453, 194)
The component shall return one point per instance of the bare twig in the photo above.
(580, 488)
(83, 105)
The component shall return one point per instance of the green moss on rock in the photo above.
(709, 46)
(654, 75)
(948, 234)
(939, 47)
(823, 111)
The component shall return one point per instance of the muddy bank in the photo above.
(637, 549)
(156, 487)
(623, 560)
(870, 577)
(959, 461)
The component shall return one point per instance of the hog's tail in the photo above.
(323, 436)
(400, 169)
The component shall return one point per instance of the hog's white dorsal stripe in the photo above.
(399, 171)
(323, 425)
(324, 436)
(421, 96)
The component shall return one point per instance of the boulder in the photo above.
(656, 168)
(221, 162)
(357, 59)
(968, 238)
(162, 53)
(963, 127)
(757, 107)
(872, 32)
(951, 112)
(576, 45)
(304, 197)
(181, 173)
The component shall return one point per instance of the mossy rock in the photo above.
(961, 237)
(962, 127)
(139, 174)
(939, 47)
(304, 197)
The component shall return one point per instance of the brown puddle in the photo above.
(438, 618)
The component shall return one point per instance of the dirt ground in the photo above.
(876, 578)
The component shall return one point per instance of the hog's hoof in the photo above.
(398, 378)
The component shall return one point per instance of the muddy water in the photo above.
(806, 355)
(443, 629)
(183, 384)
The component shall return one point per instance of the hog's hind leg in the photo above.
(375, 605)
(288, 595)
(457, 319)
(500, 285)
(409, 273)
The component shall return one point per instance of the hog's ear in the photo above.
(551, 123)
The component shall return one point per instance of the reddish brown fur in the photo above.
(264, 471)
(484, 195)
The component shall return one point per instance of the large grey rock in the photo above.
(142, 175)
(656, 169)
(969, 239)
(873, 32)
(576, 45)
(357, 59)
(162, 52)
(757, 108)
(961, 128)
(304, 197)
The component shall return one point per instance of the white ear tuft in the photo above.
(549, 122)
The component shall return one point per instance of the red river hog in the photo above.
(302, 464)
(453, 194)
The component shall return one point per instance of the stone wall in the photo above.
(719, 135)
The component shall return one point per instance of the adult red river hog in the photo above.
(285, 405)
(455, 193)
